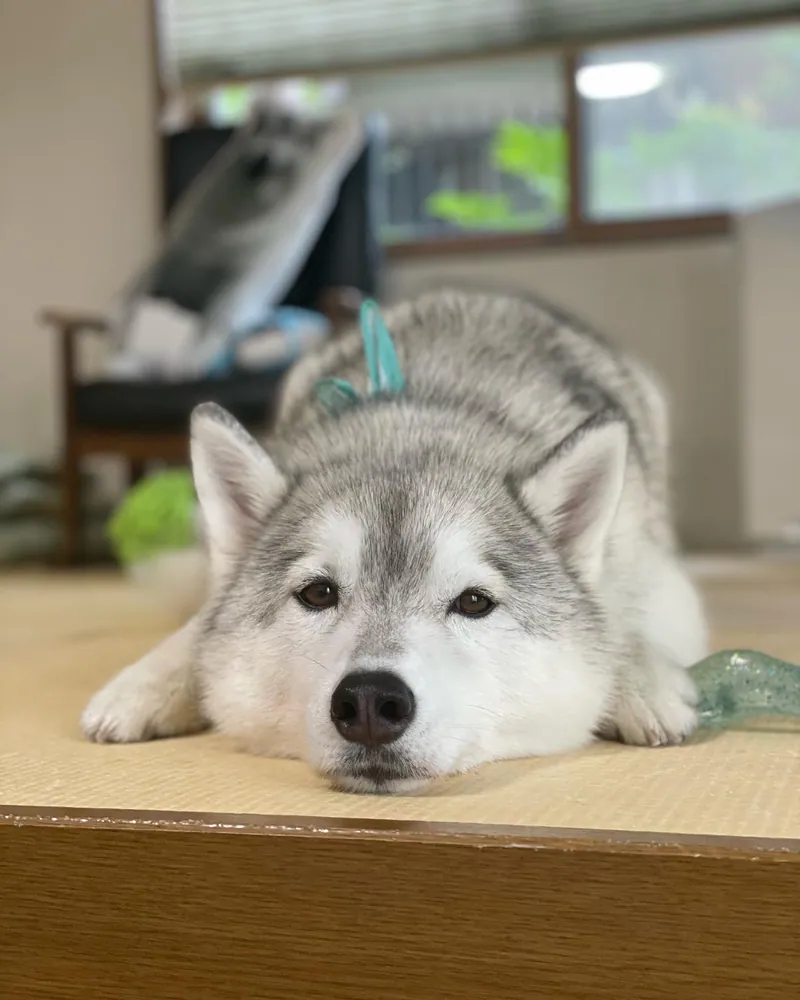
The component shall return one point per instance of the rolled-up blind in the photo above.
(213, 39)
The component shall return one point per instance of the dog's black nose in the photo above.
(372, 708)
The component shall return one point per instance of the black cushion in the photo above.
(166, 406)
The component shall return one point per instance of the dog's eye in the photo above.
(472, 604)
(319, 595)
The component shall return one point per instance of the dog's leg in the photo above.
(156, 696)
(656, 699)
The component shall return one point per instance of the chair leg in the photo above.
(71, 507)
(136, 471)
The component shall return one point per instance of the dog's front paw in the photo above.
(137, 705)
(124, 711)
(662, 712)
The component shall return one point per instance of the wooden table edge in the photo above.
(341, 828)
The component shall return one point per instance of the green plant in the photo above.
(469, 209)
(535, 155)
(156, 515)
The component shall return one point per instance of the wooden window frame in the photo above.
(578, 228)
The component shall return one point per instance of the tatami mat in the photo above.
(61, 636)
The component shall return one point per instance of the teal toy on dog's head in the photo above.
(383, 369)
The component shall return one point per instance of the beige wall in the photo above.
(770, 309)
(676, 306)
(77, 183)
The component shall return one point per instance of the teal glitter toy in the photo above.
(383, 369)
(738, 686)
(156, 515)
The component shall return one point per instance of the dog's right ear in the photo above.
(236, 481)
(577, 491)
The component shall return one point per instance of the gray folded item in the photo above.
(38, 541)
(13, 466)
(28, 497)
(235, 244)
(31, 529)
(29, 486)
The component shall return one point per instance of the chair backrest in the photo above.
(185, 155)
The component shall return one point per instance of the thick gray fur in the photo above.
(525, 448)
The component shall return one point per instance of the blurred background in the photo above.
(635, 162)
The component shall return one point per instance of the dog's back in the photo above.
(509, 362)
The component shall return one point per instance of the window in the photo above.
(670, 136)
(472, 148)
(693, 125)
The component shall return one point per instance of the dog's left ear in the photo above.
(236, 481)
(576, 492)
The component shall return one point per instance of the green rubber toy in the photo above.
(156, 515)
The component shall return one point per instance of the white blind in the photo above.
(212, 39)
(207, 38)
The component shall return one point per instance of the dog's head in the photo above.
(395, 621)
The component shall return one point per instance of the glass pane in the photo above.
(694, 125)
(472, 148)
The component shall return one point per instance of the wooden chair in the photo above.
(144, 421)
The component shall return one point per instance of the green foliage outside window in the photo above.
(733, 162)
(721, 134)
(536, 155)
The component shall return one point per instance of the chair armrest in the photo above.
(340, 306)
(68, 325)
(69, 322)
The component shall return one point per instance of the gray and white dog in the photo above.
(482, 567)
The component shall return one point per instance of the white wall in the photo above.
(675, 305)
(77, 183)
